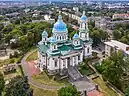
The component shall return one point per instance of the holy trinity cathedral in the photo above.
(59, 52)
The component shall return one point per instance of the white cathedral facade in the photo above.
(59, 52)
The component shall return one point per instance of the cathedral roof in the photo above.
(83, 17)
(64, 49)
(60, 26)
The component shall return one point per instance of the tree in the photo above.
(124, 39)
(18, 86)
(127, 91)
(30, 37)
(68, 91)
(97, 35)
(116, 34)
(115, 69)
(1, 26)
(1, 83)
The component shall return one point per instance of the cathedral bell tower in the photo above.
(83, 30)
(44, 37)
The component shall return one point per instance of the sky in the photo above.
(62, 0)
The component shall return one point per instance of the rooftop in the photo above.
(118, 45)
(63, 49)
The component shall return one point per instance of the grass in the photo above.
(43, 92)
(33, 56)
(104, 88)
(47, 80)
(20, 69)
(85, 69)
(12, 74)
(9, 61)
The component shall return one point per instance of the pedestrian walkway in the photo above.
(74, 73)
(28, 73)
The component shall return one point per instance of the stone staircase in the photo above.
(74, 73)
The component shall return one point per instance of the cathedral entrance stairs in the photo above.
(74, 74)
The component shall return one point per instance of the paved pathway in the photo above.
(29, 74)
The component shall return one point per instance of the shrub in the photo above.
(12, 61)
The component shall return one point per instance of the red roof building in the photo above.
(121, 16)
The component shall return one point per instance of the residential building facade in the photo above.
(114, 45)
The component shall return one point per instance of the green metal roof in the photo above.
(43, 48)
(64, 49)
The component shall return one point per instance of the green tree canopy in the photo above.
(127, 91)
(1, 83)
(68, 91)
(114, 69)
(18, 86)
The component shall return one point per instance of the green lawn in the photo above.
(43, 92)
(85, 69)
(104, 88)
(45, 79)
(33, 56)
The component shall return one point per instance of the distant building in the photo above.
(49, 19)
(114, 45)
(102, 24)
(76, 9)
(105, 23)
(121, 16)
(13, 14)
(6, 23)
(26, 10)
(73, 16)
(9, 68)
(36, 13)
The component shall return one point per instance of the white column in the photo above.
(77, 60)
(74, 61)
(66, 64)
(87, 36)
(81, 56)
(61, 64)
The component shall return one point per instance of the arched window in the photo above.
(55, 63)
(83, 25)
(86, 26)
(57, 37)
(77, 42)
(54, 46)
(88, 50)
(60, 37)
(78, 57)
(65, 36)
